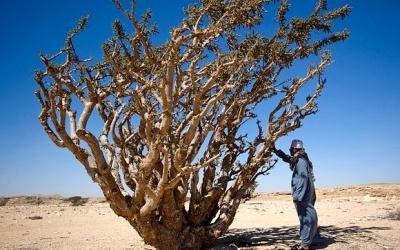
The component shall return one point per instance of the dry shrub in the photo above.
(3, 201)
(250, 192)
(395, 214)
(76, 200)
(34, 200)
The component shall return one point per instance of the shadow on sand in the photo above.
(284, 237)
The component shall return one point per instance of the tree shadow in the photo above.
(284, 237)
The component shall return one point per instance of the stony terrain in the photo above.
(360, 217)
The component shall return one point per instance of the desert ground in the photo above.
(357, 217)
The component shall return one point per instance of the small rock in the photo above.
(36, 217)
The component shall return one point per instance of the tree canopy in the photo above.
(172, 114)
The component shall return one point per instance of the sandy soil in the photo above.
(349, 218)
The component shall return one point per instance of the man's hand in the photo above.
(273, 147)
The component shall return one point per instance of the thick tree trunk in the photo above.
(188, 237)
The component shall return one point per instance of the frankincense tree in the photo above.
(172, 115)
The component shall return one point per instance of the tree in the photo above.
(173, 116)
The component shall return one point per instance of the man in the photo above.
(303, 191)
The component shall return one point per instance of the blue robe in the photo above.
(303, 193)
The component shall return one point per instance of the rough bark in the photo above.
(173, 114)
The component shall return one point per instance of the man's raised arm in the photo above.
(281, 154)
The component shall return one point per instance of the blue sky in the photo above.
(354, 139)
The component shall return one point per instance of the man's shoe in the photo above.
(300, 247)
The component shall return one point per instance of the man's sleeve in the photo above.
(282, 155)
